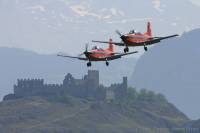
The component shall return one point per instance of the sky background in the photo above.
(56, 26)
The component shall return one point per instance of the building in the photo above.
(88, 87)
(117, 91)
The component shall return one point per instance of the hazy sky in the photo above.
(196, 2)
(66, 25)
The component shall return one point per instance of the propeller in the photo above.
(86, 50)
(119, 33)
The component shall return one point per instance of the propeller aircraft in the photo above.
(99, 54)
(133, 39)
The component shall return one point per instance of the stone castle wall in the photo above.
(87, 87)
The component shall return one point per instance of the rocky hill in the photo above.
(195, 124)
(140, 112)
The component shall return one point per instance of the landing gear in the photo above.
(126, 50)
(107, 63)
(145, 48)
(89, 64)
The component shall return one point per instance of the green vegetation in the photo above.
(141, 112)
(134, 96)
(145, 95)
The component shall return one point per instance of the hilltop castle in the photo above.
(87, 87)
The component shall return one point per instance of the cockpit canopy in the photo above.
(134, 32)
(96, 48)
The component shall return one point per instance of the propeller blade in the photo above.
(86, 47)
(118, 32)
(86, 50)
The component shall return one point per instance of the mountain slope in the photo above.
(36, 115)
(172, 68)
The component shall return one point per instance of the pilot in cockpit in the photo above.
(95, 47)
(132, 32)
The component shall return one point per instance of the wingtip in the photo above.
(177, 35)
(134, 52)
(58, 54)
(95, 41)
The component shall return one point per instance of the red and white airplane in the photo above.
(99, 54)
(133, 39)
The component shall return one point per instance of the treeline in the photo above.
(140, 97)
(145, 95)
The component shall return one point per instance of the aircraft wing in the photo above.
(119, 55)
(152, 41)
(162, 38)
(156, 40)
(115, 43)
(73, 57)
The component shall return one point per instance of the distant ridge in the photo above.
(172, 68)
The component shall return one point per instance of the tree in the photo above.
(142, 95)
(161, 97)
(132, 93)
(150, 96)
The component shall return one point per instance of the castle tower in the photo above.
(125, 85)
(93, 78)
(68, 80)
(125, 82)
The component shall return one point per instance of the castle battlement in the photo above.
(87, 87)
(30, 80)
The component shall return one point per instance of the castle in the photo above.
(87, 87)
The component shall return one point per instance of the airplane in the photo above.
(99, 54)
(134, 38)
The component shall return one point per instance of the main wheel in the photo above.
(107, 63)
(89, 64)
(126, 50)
(145, 48)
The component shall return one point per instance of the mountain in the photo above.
(20, 63)
(69, 114)
(192, 126)
(56, 25)
(196, 124)
(172, 68)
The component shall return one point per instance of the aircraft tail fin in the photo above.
(110, 45)
(149, 29)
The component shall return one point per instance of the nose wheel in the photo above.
(89, 64)
(126, 50)
(107, 63)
